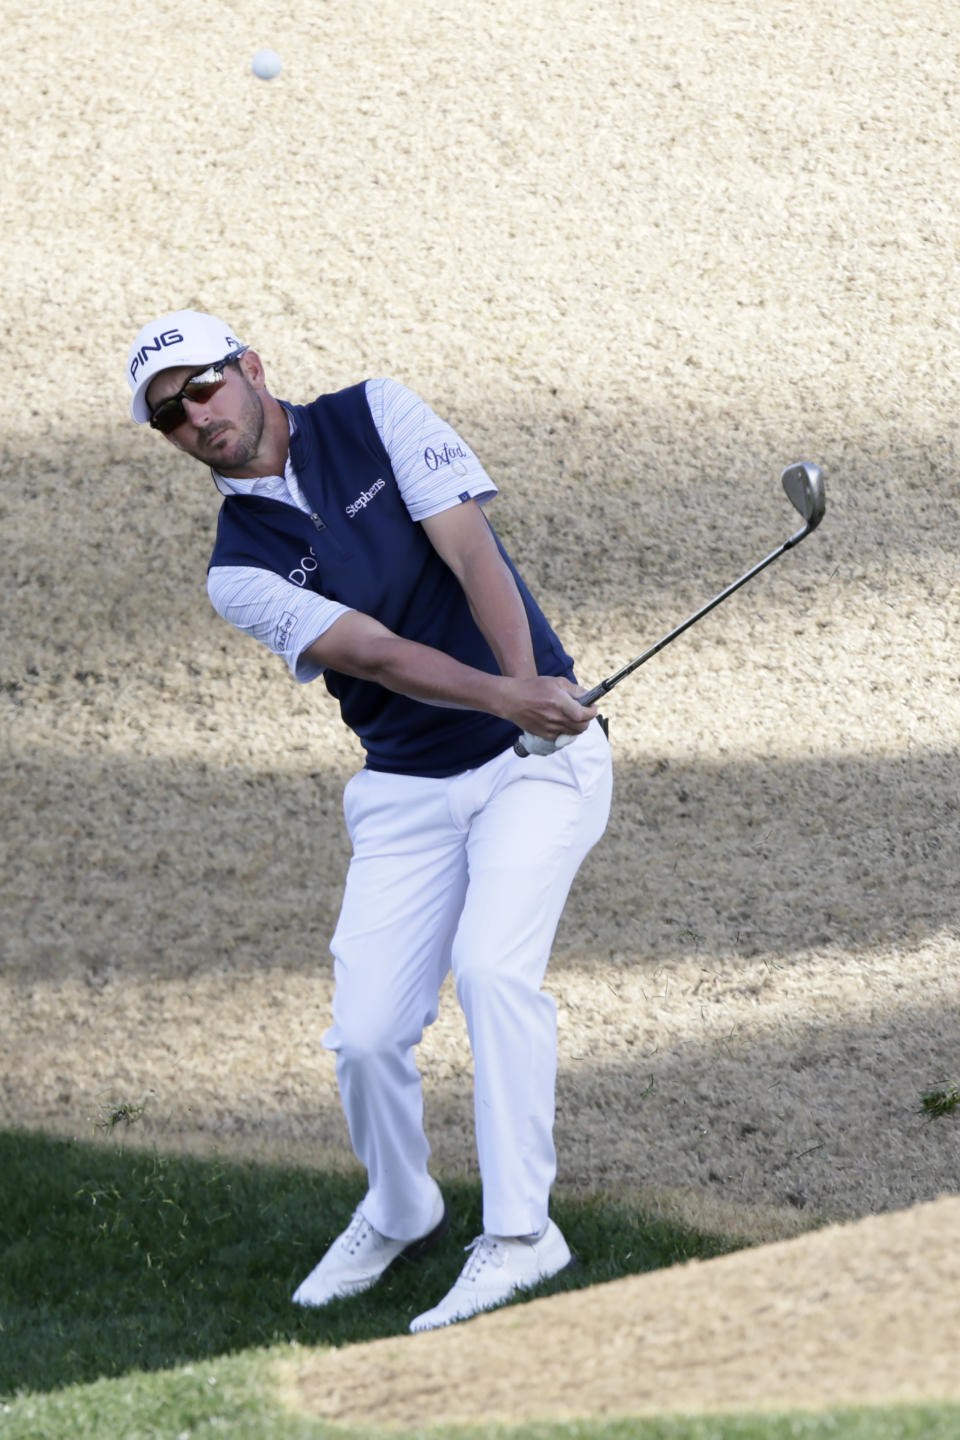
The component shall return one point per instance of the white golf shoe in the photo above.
(357, 1258)
(497, 1268)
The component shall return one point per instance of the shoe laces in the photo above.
(359, 1233)
(484, 1250)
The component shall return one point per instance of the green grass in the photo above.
(113, 1260)
(944, 1100)
(235, 1398)
(145, 1296)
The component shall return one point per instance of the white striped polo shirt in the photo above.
(435, 470)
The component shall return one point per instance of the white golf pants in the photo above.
(469, 873)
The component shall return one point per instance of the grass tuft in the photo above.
(123, 1114)
(934, 1103)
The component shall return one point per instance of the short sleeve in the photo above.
(435, 468)
(274, 611)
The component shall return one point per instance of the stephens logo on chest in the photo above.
(364, 498)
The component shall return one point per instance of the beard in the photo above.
(231, 445)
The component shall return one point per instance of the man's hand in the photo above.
(547, 707)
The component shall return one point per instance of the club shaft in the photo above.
(592, 696)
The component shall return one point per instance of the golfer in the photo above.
(352, 541)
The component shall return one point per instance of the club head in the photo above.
(804, 486)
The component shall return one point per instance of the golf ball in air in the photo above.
(266, 64)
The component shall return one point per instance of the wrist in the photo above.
(504, 696)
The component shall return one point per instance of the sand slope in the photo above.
(803, 1324)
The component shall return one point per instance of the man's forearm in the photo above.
(428, 675)
(360, 646)
(464, 540)
(498, 611)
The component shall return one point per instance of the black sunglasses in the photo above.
(170, 412)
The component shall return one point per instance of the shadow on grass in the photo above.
(114, 1260)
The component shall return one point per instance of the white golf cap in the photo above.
(185, 337)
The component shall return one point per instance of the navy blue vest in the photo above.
(371, 556)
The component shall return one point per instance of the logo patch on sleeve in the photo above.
(284, 630)
(449, 455)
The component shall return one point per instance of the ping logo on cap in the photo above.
(165, 338)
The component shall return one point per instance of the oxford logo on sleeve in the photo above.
(436, 459)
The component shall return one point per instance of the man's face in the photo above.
(225, 429)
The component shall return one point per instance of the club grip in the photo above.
(592, 696)
(527, 744)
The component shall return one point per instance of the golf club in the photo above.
(803, 484)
